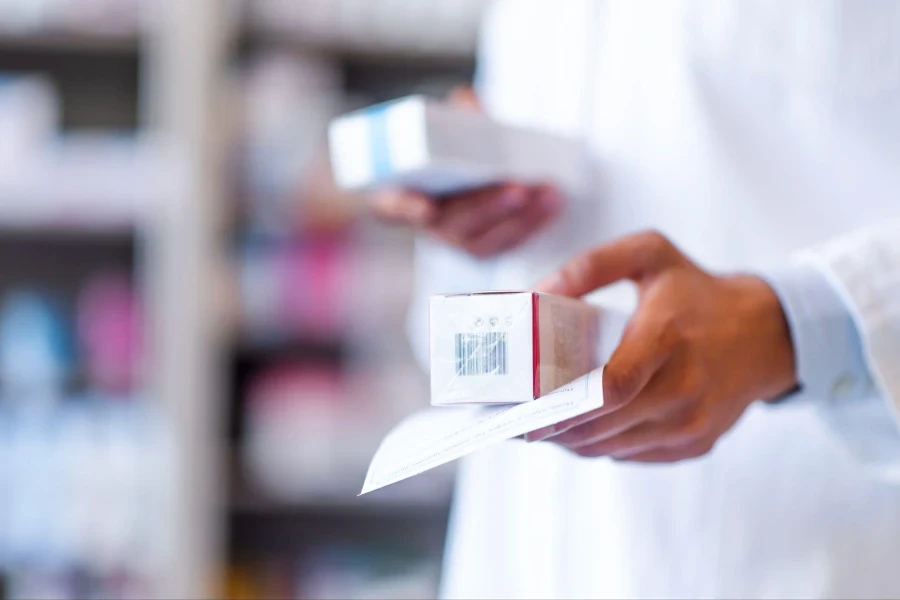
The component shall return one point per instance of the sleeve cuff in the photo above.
(828, 352)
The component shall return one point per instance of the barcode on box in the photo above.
(481, 353)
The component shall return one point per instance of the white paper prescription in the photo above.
(440, 435)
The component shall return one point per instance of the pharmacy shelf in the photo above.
(257, 536)
(70, 42)
(427, 495)
(64, 190)
(114, 237)
(260, 37)
(166, 82)
(325, 349)
(68, 219)
(437, 27)
(401, 515)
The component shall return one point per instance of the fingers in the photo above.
(483, 222)
(643, 438)
(539, 210)
(683, 427)
(659, 401)
(638, 450)
(688, 451)
(633, 257)
(642, 352)
(465, 216)
(406, 208)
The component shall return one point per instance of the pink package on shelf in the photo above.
(294, 421)
(110, 333)
(312, 292)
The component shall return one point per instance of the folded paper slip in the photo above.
(437, 436)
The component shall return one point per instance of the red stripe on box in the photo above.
(536, 344)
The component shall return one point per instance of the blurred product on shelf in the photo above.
(97, 17)
(310, 429)
(289, 100)
(381, 284)
(294, 434)
(44, 355)
(110, 333)
(29, 117)
(76, 585)
(83, 181)
(322, 368)
(361, 572)
(85, 487)
(35, 351)
(294, 288)
(86, 179)
(345, 571)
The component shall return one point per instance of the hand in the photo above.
(483, 222)
(697, 352)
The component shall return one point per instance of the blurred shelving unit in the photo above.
(184, 153)
(68, 43)
(107, 338)
(319, 378)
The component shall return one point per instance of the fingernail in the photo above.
(540, 434)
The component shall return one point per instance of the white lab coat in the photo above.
(747, 132)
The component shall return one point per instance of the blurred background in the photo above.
(201, 340)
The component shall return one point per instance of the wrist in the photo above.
(763, 311)
(828, 349)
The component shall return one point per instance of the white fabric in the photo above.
(746, 131)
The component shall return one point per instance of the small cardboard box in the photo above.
(436, 149)
(509, 347)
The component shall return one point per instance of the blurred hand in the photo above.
(482, 222)
(697, 352)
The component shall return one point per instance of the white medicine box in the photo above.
(508, 347)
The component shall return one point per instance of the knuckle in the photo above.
(692, 382)
(697, 426)
(621, 384)
(578, 267)
(655, 240)
(655, 248)
(701, 448)
(671, 334)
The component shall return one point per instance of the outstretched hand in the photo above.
(698, 351)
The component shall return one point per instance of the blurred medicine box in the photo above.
(436, 149)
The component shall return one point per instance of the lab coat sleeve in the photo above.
(842, 301)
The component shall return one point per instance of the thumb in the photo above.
(635, 257)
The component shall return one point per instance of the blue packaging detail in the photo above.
(381, 153)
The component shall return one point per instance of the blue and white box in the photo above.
(431, 147)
